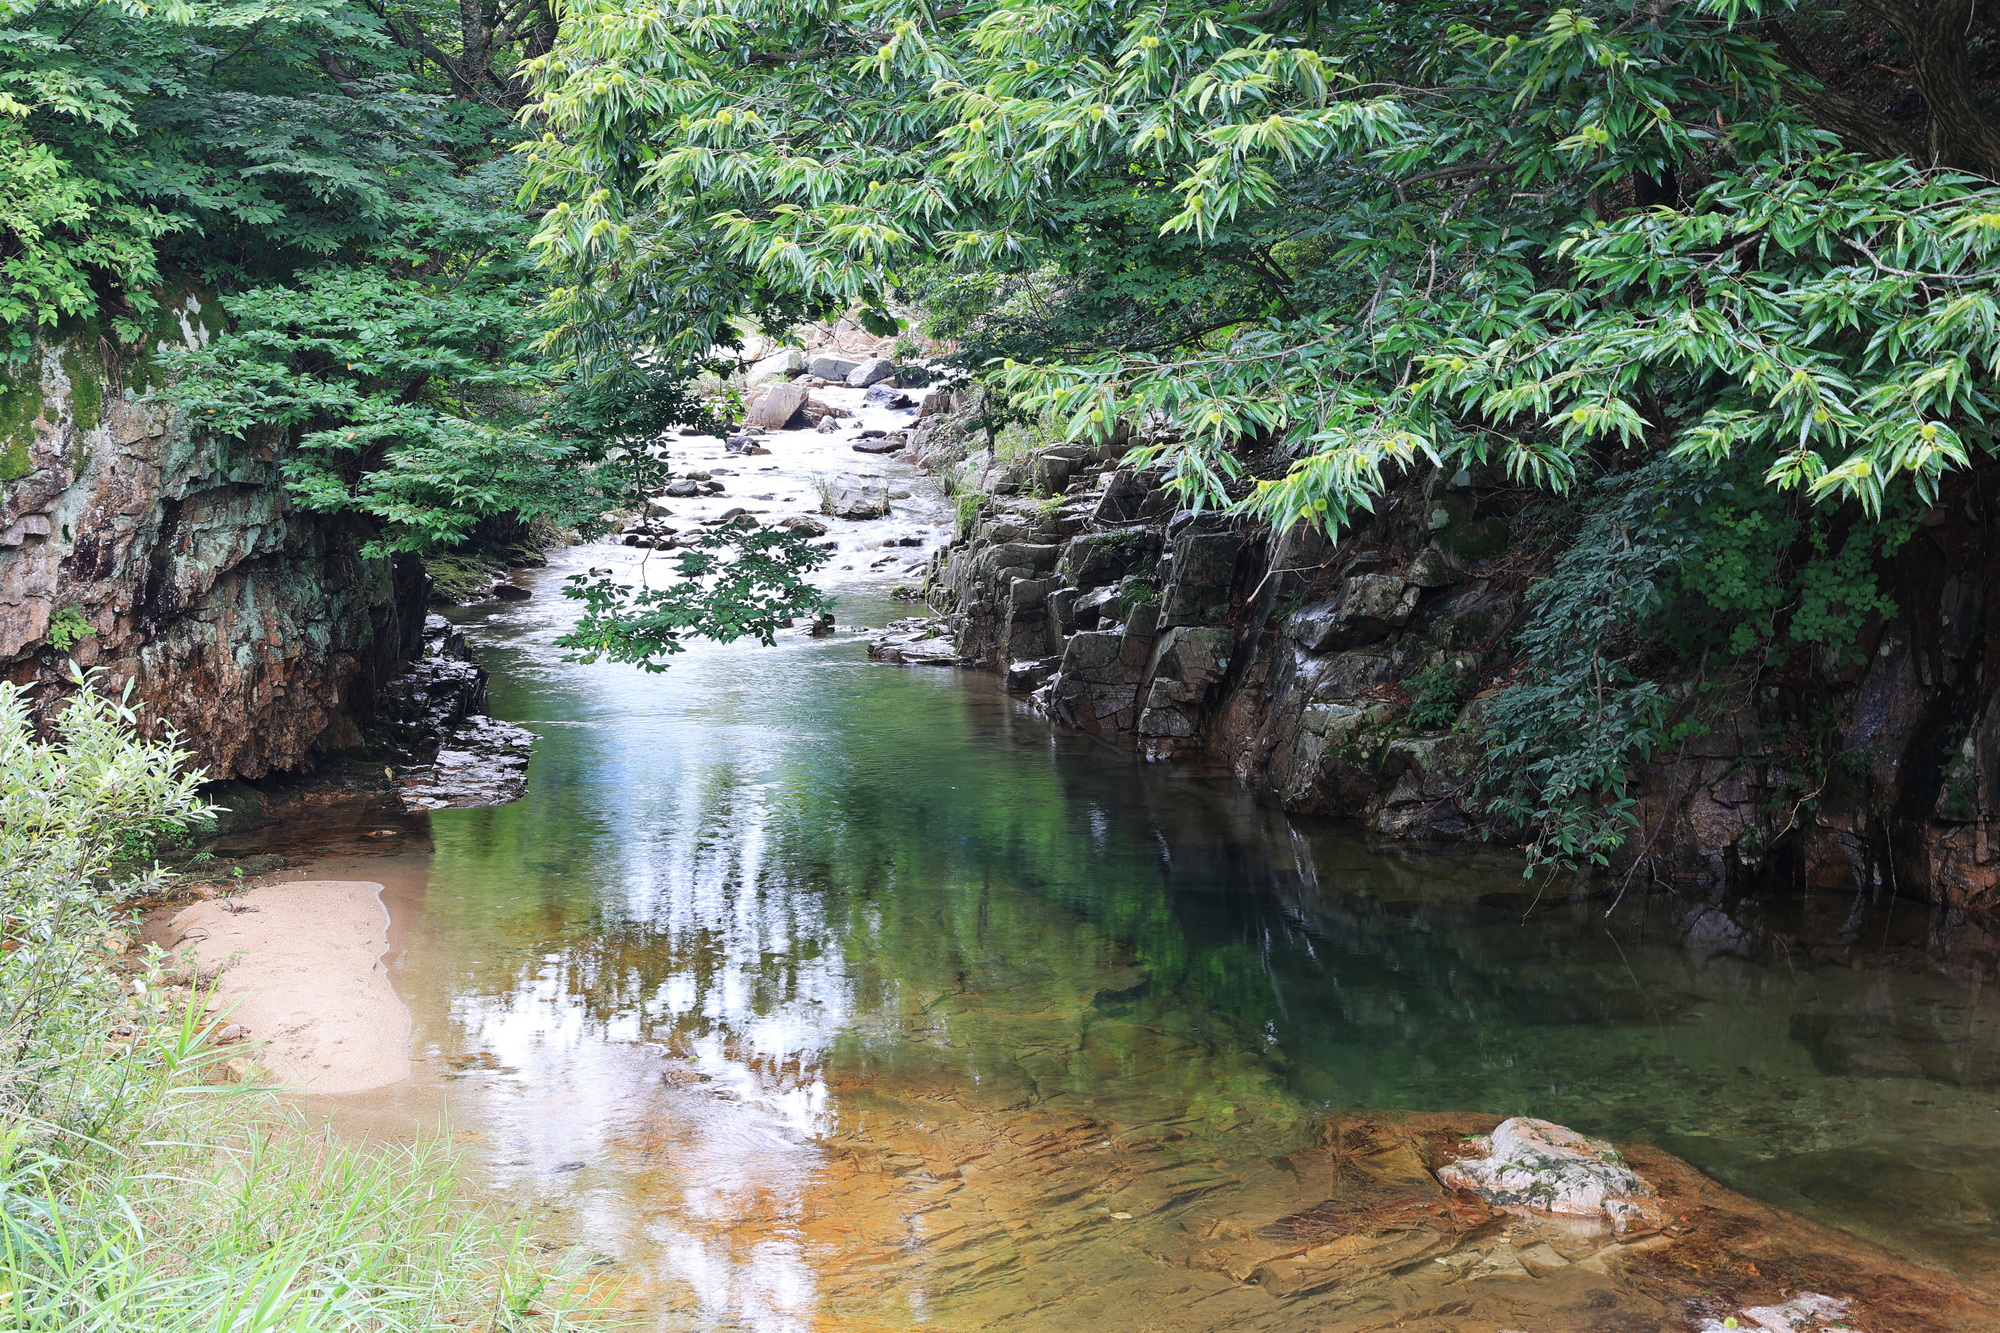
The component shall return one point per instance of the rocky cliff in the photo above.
(135, 544)
(1352, 677)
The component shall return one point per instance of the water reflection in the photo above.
(820, 995)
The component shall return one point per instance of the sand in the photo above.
(302, 970)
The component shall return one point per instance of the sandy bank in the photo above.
(302, 970)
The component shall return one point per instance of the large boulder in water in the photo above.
(858, 497)
(1537, 1166)
(774, 408)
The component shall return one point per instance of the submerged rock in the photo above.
(1535, 1166)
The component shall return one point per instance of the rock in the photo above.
(511, 592)
(1096, 559)
(815, 411)
(1431, 570)
(774, 408)
(682, 489)
(1535, 1166)
(1807, 1312)
(857, 497)
(1201, 579)
(831, 369)
(918, 641)
(803, 525)
(872, 371)
(887, 395)
(483, 762)
(888, 445)
(776, 367)
(1128, 498)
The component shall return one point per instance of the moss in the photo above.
(86, 386)
(1456, 526)
(20, 404)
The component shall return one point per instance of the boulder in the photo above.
(833, 369)
(803, 525)
(777, 367)
(774, 408)
(1534, 1166)
(858, 497)
(887, 444)
(886, 395)
(872, 371)
(683, 489)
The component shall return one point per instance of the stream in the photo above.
(806, 993)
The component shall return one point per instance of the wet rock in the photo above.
(858, 497)
(872, 371)
(884, 395)
(483, 762)
(918, 641)
(804, 525)
(1807, 1312)
(885, 445)
(1535, 1166)
(682, 489)
(511, 592)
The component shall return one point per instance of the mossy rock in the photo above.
(1456, 526)
(20, 404)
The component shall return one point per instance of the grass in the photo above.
(141, 1191)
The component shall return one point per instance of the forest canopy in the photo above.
(1535, 236)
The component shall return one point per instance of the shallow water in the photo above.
(782, 949)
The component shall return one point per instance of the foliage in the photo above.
(1516, 235)
(1435, 693)
(412, 401)
(67, 628)
(737, 582)
(132, 1194)
(1771, 572)
(1560, 740)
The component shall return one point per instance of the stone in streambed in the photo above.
(774, 408)
(1535, 1166)
(856, 497)
(831, 369)
(871, 371)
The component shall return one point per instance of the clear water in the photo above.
(767, 923)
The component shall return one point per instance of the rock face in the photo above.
(1080, 581)
(133, 544)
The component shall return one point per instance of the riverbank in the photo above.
(298, 972)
